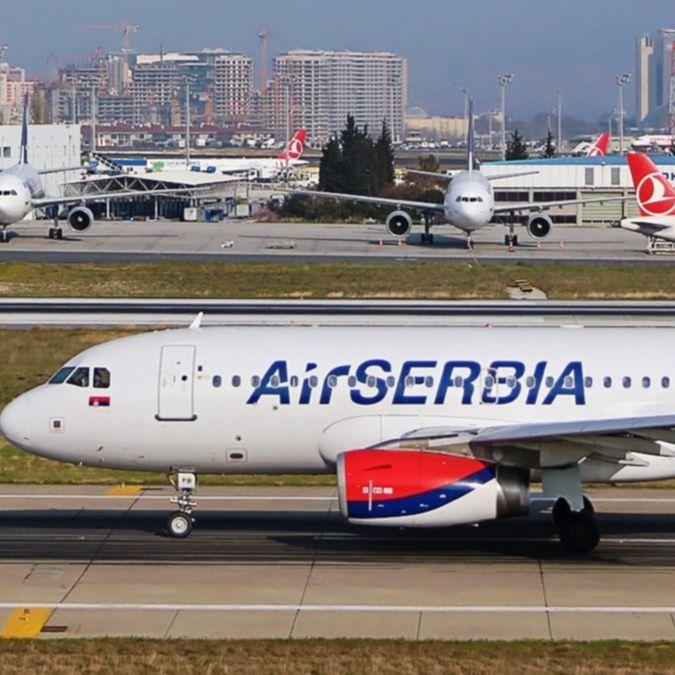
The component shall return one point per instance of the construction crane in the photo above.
(127, 31)
(264, 35)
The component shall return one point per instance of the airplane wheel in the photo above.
(179, 525)
(507, 240)
(4, 236)
(59, 233)
(579, 531)
(514, 240)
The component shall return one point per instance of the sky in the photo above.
(577, 46)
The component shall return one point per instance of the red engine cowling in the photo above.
(413, 488)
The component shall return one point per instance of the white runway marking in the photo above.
(464, 609)
(165, 497)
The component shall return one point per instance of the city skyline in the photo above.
(575, 47)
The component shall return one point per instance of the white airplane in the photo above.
(21, 191)
(255, 168)
(469, 204)
(597, 149)
(655, 197)
(423, 427)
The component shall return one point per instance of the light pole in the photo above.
(559, 119)
(621, 81)
(504, 81)
(187, 122)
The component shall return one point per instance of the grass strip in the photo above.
(123, 656)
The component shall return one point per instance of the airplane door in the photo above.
(176, 383)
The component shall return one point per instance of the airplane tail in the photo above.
(653, 191)
(469, 139)
(599, 148)
(295, 147)
(23, 156)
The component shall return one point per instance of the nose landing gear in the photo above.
(180, 522)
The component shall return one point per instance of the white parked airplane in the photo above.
(21, 191)
(254, 168)
(424, 427)
(469, 204)
(655, 197)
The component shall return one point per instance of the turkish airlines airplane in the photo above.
(597, 149)
(423, 427)
(261, 168)
(655, 197)
(468, 205)
(21, 191)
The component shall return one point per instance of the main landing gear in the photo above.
(180, 522)
(511, 238)
(573, 513)
(5, 236)
(55, 231)
(427, 237)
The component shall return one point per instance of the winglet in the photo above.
(197, 321)
(23, 158)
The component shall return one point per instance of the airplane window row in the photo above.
(469, 199)
(79, 377)
(8, 193)
(428, 381)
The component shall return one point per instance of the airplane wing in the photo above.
(122, 194)
(564, 443)
(450, 176)
(543, 206)
(382, 201)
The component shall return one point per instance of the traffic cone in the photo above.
(400, 243)
(538, 244)
(381, 243)
(511, 248)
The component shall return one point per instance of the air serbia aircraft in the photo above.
(469, 204)
(426, 427)
(21, 191)
(655, 197)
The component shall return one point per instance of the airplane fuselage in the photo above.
(273, 399)
(18, 186)
(469, 201)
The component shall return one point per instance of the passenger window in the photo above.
(646, 382)
(332, 381)
(351, 381)
(391, 381)
(80, 378)
(607, 382)
(529, 382)
(236, 381)
(569, 382)
(294, 381)
(313, 381)
(588, 382)
(60, 376)
(217, 381)
(274, 380)
(101, 378)
(371, 381)
(457, 382)
(665, 382)
(255, 381)
(626, 382)
(428, 381)
(549, 381)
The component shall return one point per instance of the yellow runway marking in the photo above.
(124, 491)
(26, 623)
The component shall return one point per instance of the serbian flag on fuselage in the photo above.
(99, 401)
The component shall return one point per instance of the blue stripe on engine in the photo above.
(422, 502)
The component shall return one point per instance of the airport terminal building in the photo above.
(573, 178)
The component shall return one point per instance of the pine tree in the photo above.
(385, 158)
(330, 169)
(515, 147)
(549, 150)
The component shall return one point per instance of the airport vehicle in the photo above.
(254, 168)
(424, 427)
(655, 197)
(468, 205)
(21, 191)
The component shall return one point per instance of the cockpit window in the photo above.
(101, 378)
(60, 376)
(80, 378)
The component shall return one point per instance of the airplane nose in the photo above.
(15, 422)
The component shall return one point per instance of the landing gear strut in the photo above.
(180, 523)
(55, 232)
(427, 237)
(4, 235)
(511, 238)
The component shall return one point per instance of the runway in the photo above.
(242, 241)
(15, 312)
(280, 562)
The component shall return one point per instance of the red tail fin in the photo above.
(600, 146)
(295, 146)
(654, 193)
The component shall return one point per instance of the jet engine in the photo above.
(413, 488)
(398, 223)
(539, 226)
(80, 218)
